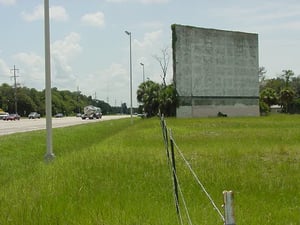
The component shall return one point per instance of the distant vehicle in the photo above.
(3, 115)
(12, 117)
(91, 112)
(59, 115)
(34, 115)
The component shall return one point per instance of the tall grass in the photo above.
(115, 173)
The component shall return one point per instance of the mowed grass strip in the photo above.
(116, 173)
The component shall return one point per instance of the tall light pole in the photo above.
(49, 154)
(129, 33)
(142, 64)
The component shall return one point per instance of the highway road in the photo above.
(24, 124)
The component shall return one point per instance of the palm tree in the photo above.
(286, 75)
(148, 95)
(286, 97)
(157, 98)
(269, 96)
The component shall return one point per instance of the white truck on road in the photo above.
(91, 112)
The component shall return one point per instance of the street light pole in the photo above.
(142, 64)
(129, 33)
(49, 154)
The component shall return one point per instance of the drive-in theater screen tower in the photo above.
(215, 72)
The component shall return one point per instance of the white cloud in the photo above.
(150, 39)
(109, 84)
(57, 13)
(4, 69)
(154, 1)
(67, 48)
(31, 73)
(93, 19)
(37, 14)
(140, 1)
(31, 59)
(63, 53)
(263, 16)
(7, 2)
(145, 51)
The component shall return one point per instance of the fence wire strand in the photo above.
(173, 172)
(183, 199)
(197, 179)
(165, 132)
(171, 169)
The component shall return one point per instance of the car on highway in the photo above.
(34, 115)
(59, 115)
(12, 117)
(3, 115)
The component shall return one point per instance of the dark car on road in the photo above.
(12, 117)
(34, 115)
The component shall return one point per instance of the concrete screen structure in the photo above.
(215, 71)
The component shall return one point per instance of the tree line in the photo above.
(153, 98)
(283, 90)
(24, 100)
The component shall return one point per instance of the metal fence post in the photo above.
(228, 208)
(174, 173)
(165, 135)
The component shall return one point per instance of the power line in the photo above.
(15, 87)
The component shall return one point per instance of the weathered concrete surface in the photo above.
(215, 71)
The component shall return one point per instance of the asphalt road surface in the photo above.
(24, 124)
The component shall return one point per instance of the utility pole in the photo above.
(15, 87)
(78, 94)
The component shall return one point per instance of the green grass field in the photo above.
(115, 173)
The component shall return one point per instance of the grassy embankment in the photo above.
(113, 173)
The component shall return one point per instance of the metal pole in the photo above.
(142, 64)
(228, 207)
(174, 174)
(129, 33)
(49, 154)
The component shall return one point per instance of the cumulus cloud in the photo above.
(112, 84)
(150, 39)
(4, 69)
(32, 66)
(93, 19)
(31, 59)
(31, 69)
(140, 1)
(146, 50)
(7, 2)
(67, 48)
(57, 13)
(63, 53)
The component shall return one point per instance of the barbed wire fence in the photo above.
(170, 147)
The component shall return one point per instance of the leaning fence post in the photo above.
(165, 134)
(174, 173)
(228, 208)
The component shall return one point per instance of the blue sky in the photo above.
(90, 50)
